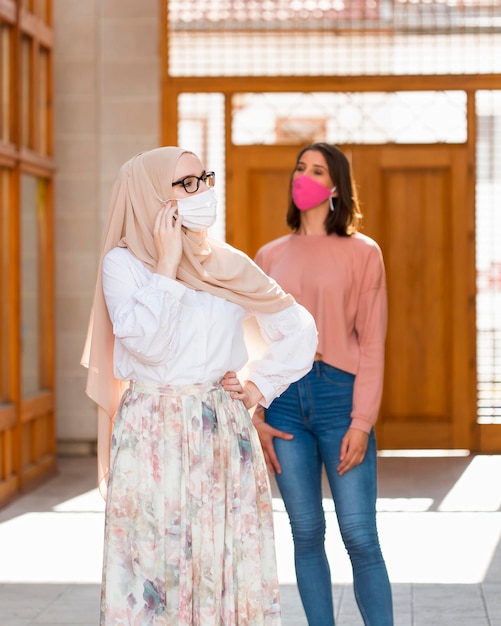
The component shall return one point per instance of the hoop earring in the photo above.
(332, 203)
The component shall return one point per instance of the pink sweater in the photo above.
(341, 282)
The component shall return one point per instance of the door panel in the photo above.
(418, 210)
(257, 194)
(415, 205)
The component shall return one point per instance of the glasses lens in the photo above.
(191, 183)
(210, 179)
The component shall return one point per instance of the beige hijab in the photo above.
(206, 265)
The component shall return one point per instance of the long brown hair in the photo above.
(345, 219)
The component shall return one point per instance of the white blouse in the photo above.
(167, 333)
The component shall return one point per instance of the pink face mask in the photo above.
(307, 193)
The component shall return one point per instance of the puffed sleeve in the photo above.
(291, 338)
(144, 308)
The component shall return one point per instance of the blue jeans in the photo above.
(316, 410)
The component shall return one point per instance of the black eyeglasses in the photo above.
(192, 183)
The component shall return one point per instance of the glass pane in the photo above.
(5, 79)
(33, 211)
(43, 10)
(374, 15)
(315, 37)
(25, 82)
(43, 102)
(488, 250)
(340, 118)
(4, 285)
(201, 130)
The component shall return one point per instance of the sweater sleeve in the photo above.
(370, 325)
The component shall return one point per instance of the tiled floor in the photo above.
(439, 522)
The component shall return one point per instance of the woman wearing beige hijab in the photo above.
(189, 527)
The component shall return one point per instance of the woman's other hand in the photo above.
(266, 435)
(167, 239)
(353, 449)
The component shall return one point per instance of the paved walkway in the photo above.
(439, 522)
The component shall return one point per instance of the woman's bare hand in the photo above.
(168, 241)
(353, 449)
(248, 394)
(266, 435)
(231, 383)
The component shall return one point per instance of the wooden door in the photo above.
(27, 317)
(257, 194)
(416, 205)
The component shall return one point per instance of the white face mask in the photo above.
(198, 211)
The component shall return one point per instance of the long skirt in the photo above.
(189, 522)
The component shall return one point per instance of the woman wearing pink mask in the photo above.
(189, 536)
(326, 419)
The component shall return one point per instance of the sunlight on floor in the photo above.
(478, 489)
(434, 548)
(64, 545)
(418, 453)
(445, 536)
(451, 540)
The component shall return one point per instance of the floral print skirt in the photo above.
(189, 523)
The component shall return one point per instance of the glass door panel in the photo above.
(33, 295)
